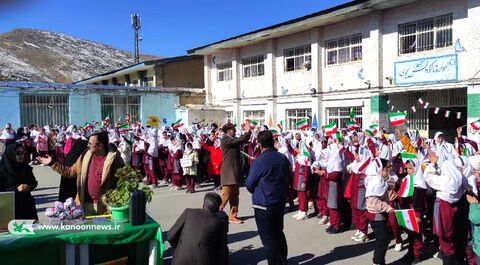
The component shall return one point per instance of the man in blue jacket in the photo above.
(267, 181)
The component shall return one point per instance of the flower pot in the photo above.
(119, 214)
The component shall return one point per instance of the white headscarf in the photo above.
(418, 179)
(374, 183)
(454, 179)
(469, 180)
(363, 155)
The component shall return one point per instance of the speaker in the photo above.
(137, 207)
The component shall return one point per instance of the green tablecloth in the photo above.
(23, 249)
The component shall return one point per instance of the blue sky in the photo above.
(169, 27)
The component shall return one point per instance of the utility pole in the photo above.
(136, 24)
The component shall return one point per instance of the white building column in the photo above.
(207, 78)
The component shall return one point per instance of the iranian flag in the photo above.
(406, 189)
(420, 100)
(252, 124)
(280, 126)
(413, 109)
(374, 128)
(406, 218)
(459, 115)
(351, 125)
(406, 156)
(123, 126)
(475, 125)
(274, 133)
(447, 114)
(127, 118)
(106, 121)
(370, 133)
(302, 124)
(306, 153)
(436, 110)
(178, 124)
(426, 105)
(330, 128)
(397, 118)
(353, 116)
(339, 137)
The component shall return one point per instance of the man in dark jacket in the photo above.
(231, 173)
(200, 235)
(267, 181)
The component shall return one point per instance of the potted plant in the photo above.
(118, 198)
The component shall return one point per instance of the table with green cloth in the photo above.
(142, 244)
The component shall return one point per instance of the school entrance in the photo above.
(452, 112)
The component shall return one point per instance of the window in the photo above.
(229, 116)
(295, 115)
(341, 115)
(255, 115)
(115, 107)
(115, 81)
(105, 82)
(298, 58)
(127, 80)
(142, 77)
(253, 66)
(425, 35)
(43, 109)
(344, 50)
(224, 71)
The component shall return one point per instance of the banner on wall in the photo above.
(427, 70)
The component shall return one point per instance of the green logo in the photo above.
(19, 228)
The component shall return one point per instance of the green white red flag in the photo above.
(406, 219)
(330, 128)
(397, 118)
(352, 126)
(280, 126)
(374, 128)
(406, 189)
(252, 124)
(178, 124)
(353, 116)
(475, 125)
(302, 124)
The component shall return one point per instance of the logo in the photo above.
(21, 227)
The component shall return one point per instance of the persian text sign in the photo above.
(427, 70)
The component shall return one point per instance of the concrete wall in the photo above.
(347, 84)
(84, 107)
(190, 116)
(160, 105)
(187, 73)
(10, 101)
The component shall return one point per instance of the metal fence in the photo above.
(43, 109)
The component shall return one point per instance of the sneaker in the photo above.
(332, 230)
(197, 186)
(324, 220)
(438, 255)
(295, 215)
(398, 247)
(357, 232)
(361, 238)
(301, 216)
(235, 221)
(172, 187)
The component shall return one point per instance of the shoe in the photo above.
(187, 191)
(416, 261)
(296, 215)
(235, 221)
(361, 238)
(319, 216)
(355, 235)
(332, 230)
(172, 187)
(398, 247)
(192, 191)
(310, 205)
(197, 186)
(324, 220)
(438, 255)
(301, 216)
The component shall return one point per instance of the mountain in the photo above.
(43, 56)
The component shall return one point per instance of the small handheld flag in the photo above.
(406, 218)
(459, 115)
(406, 189)
(436, 110)
(447, 114)
(252, 124)
(302, 124)
(413, 109)
(280, 126)
(351, 125)
(426, 105)
(330, 128)
(475, 125)
(374, 128)
(397, 118)
(178, 124)
(420, 100)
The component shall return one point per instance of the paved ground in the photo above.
(307, 241)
